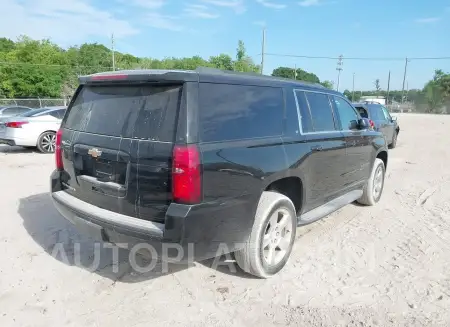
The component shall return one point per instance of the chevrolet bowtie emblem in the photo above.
(94, 153)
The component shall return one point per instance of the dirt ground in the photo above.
(387, 265)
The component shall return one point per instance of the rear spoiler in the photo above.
(151, 75)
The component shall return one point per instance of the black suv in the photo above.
(211, 160)
(381, 120)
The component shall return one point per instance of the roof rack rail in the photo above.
(202, 69)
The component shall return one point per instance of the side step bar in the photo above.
(327, 208)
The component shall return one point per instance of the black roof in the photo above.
(204, 74)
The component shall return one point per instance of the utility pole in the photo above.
(404, 79)
(389, 83)
(353, 88)
(113, 55)
(295, 71)
(407, 91)
(263, 49)
(339, 69)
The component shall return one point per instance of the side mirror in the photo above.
(363, 123)
(394, 118)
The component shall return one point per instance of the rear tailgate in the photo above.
(117, 146)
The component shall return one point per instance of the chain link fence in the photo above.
(33, 102)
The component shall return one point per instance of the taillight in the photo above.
(372, 124)
(109, 77)
(58, 150)
(186, 175)
(15, 124)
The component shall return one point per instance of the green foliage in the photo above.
(437, 92)
(298, 74)
(328, 84)
(31, 68)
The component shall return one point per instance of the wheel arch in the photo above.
(383, 155)
(290, 186)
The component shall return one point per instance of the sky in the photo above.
(324, 28)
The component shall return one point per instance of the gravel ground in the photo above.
(386, 265)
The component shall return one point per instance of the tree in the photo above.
(437, 92)
(328, 84)
(348, 94)
(377, 85)
(243, 62)
(298, 74)
(31, 68)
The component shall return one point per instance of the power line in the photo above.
(357, 58)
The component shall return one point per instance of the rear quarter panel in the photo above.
(236, 173)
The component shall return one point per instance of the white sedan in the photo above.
(36, 128)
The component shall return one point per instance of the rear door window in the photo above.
(386, 113)
(321, 112)
(236, 112)
(133, 111)
(376, 112)
(58, 114)
(307, 125)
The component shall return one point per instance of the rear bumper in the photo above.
(17, 138)
(77, 211)
(201, 231)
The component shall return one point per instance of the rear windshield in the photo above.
(34, 112)
(134, 111)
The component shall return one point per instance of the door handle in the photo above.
(317, 148)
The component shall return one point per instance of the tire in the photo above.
(375, 182)
(46, 142)
(255, 258)
(394, 140)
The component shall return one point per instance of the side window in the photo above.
(236, 112)
(305, 118)
(386, 113)
(347, 115)
(322, 116)
(59, 114)
(376, 112)
(54, 113)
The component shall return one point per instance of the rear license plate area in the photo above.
(95, 231)
(103, 169)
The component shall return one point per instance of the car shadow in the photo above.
(226, 265)
(64, 243)
(16, 149)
